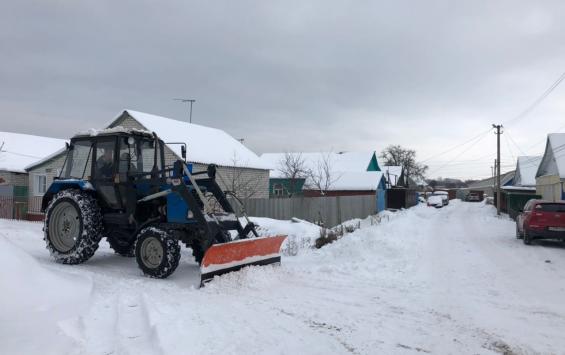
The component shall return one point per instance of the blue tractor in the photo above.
(115, 185)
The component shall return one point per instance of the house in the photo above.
(401, 189)
(239, 169)
(551, 171)
(523, 188)
(526, 169)
(349, 174)
(17, 151)
(487, 185)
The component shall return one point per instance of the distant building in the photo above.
(17, 152)
(351, 174)
(551, 171)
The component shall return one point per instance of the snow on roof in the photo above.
(553, 161)
(93, 132)
(394, 172)
(526, 169)
(348, 168)
(21, 150)
(205, 145)
(340, 162)
(357, 181)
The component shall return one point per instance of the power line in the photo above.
(538, 100)
(480, 135)
(463, 152)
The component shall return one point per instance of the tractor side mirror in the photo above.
(183, 152)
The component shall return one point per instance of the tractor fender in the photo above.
(60, 185)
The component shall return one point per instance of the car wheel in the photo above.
(527, 237)
(518, 234)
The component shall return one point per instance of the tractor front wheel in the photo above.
(73, 226)
(157, 252)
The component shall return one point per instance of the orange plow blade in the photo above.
(227, 257)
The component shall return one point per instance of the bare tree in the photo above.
(322, 176)
(293, 167)
(238, 180)
(397, 155)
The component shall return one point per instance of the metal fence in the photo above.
(331, 211)
(6, 207)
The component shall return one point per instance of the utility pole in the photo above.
(498, 194)
(191, 101)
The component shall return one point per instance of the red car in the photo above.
(541, 220)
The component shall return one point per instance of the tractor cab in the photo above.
(116, 163)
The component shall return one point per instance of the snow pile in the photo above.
(300, 234)
(34, 300)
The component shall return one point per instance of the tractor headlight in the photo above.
(190, 215)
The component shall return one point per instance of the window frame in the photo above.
(36, 184)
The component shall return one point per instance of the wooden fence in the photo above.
(330, 211)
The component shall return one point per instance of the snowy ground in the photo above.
(447, 281)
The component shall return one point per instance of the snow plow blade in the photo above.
(227, 257)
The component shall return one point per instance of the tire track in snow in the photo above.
(115, 324)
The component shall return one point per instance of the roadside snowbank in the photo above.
(34, 300)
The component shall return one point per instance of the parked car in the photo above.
(435, 201)
(541, 220)
(444, 196)
(473, 197)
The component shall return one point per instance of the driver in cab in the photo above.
(105, 164)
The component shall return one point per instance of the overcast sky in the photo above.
(294, 75)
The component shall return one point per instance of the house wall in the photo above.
(14, 179)
(248, 182)
(550, 187)
(294, 189)
(50, 169)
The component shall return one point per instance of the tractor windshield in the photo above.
(138, 157)
(77, 165)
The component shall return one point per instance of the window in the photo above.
(105, 159)
(128, 159)
(278, 189)
(39, 184)
(78, 161)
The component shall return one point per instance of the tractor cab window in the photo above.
(104, 159)
(147, 149)
(78, 165)
(129, 158)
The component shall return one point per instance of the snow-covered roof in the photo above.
(205, 145)
(342, 161)
(394, 172)
(349, 169)
(21, 150)
(553, 161)
(526, 169)
(505, 180)
(357, 181)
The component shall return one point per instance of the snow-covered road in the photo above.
(448, 281)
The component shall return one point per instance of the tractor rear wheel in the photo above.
(157, 252)
(73, 226)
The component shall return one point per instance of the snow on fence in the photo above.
(331, 210)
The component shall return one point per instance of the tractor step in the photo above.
(227, 257)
